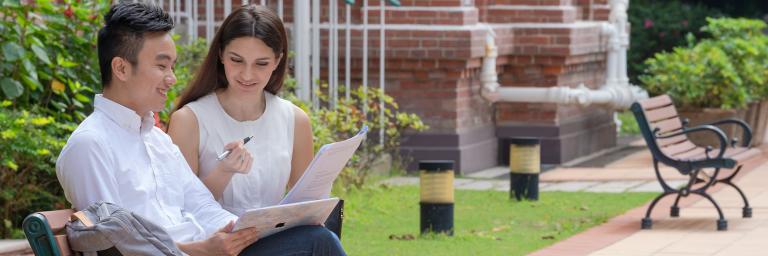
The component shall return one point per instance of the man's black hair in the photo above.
(123, 33)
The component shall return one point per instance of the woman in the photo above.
(233, 96)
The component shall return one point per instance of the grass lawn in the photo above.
(385, 221)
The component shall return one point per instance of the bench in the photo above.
(47, 234)
(666, 136)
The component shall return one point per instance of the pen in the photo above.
(226, 153)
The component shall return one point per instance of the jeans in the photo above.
(302, 240)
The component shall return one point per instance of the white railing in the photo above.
(306, 42)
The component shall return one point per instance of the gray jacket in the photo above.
(116, 231)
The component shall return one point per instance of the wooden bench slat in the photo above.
(660, 114)
(697, 153)
(57, 219)
(656, 102)
(671, 141)
(669, 125)
(675, 149)
(63, 243)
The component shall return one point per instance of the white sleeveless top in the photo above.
(271, 148)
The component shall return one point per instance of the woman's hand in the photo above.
(239, 159)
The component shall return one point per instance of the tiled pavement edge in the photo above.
(622, 234)
(14, 247)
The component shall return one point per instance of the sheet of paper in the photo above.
(317, 180)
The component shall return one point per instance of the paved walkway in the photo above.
(632, 173)
(691, 234)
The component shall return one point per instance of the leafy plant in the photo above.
(49, 56)
(659, 26)
(330, 124)
(29, 145)
(728, 70)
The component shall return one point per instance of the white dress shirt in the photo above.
(119, 157)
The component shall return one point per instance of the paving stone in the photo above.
(461, 181)
(13, 246)
(569, 186)
(654, 186)
(492, 172)
(477, 185)
(614, 186)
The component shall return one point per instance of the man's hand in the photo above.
(223, 242)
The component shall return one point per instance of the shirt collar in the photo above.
(123, 116)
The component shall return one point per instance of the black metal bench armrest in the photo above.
(744, 126)
(702, 128)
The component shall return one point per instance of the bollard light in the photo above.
(436, 188)
(524, 168)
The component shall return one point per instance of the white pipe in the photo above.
(347, 56)
(315, 52)
(190, 27)
(227, 7)
(334, 76)
(331, 28)
(195, 16)
(280, 9)
(382, 28)
(303, 51)
(209, 21)
(616, 93)
(365, 57)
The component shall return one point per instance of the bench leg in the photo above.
(746, 212)
(722, 224)
(674, 211)
(646, 223)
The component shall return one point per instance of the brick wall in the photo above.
(434, 54)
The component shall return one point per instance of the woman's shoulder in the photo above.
(205, 100)
(202, 106)
(286, 106)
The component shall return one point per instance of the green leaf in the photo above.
(32, 84)
(30, 68)
(11, 3)
(59, 105)
(82, 98)
(12, 51)
(41, 54)
(11, 88)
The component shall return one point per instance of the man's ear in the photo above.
(121, 68)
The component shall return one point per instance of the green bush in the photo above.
(29, 145)
(728, 70)
(659, 26)
(48, 55)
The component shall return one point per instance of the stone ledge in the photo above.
(14, 247)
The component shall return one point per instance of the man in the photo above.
(117, 155)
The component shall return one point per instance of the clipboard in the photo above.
(273, 219)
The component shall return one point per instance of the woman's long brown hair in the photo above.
(246, 21)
